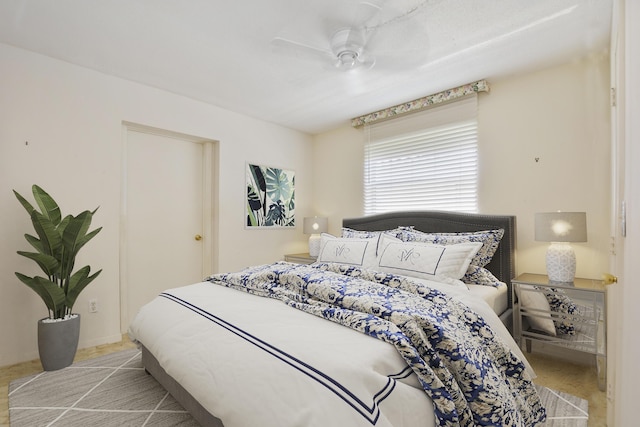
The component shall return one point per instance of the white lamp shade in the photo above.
(315, 225)
(561, 227)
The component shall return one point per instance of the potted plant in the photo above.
(56, 247)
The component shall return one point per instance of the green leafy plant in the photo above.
(57, 245)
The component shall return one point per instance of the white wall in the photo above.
(72, 119)
(338, 158)
(559, 115)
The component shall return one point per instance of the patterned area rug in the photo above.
(564, 410)
(114, 390)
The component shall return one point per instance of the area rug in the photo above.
(114, 390)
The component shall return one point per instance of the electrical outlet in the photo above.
(93, 306)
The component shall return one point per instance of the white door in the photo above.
(623, 403)
(163, 217)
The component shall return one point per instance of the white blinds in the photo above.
(425, 160)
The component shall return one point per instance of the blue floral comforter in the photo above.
(472, 377)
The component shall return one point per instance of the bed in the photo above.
(335, 343)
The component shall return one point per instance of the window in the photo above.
(424, 161)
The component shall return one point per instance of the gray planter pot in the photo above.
(58, 342)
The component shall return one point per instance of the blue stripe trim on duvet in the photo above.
(370, 413)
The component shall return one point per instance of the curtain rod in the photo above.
(421, 103)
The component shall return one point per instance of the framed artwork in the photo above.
(270, 197)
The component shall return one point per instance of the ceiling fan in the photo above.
(376, 34)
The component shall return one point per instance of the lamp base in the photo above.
(314, 245)
(561, 263)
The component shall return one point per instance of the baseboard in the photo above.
(111, 339)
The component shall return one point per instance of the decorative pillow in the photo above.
(481, 276)
(350, 233)
(532, 298)
(559, 302)
(489, 239)
(361, 252)
(425, 260)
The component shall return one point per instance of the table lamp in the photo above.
(561, 228)
(314, 226)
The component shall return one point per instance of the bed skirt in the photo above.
(197, 411)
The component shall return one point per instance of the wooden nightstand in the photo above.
(303, 258)
(540, 307)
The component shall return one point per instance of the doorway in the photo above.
(167, 214)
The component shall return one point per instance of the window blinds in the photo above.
(424, 161)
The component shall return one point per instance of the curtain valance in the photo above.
(422, 103)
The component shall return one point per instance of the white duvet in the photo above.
(255, 361)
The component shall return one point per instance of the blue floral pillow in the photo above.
(559, 302)
(350, 233)
(481, 276)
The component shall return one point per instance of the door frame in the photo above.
(209, 207)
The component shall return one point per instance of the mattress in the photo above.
(496, 297)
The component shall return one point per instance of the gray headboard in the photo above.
(503, 263)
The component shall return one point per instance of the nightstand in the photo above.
(571, 316)
(303, 258)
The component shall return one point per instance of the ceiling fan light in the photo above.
(347, 59)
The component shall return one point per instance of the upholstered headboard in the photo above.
(503, 263)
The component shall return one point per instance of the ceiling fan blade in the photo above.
(299, 49)
(400, 39)
(363, 24)
(366, 62)
(366, 12)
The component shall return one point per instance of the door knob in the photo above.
(198, 237)
(609, 279)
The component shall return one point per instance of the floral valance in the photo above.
(421, 103)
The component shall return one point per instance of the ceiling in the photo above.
(254, 57)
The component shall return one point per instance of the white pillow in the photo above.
(490, 240)
(353, 251)
(425, 260)
(534, 300)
